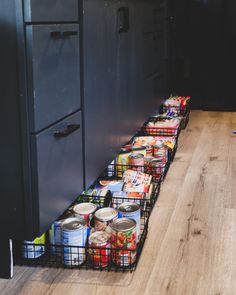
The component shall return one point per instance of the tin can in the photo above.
(120, 197)
(100, 197)
(137, 160)
(123, 241)
(160, 152)
(132, 211)
(55, 237)
(103, 217)
(74, 236)
(139, 149)
(84, 211)
(99, 249)
(122, 162)
(149, 150)
(34, 249)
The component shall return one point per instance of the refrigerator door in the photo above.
(57, 170)
(51, 10)
(53, 73)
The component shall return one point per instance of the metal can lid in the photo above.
(84, 208)
(99, 238)
(128, 207)
(73, 224)
(158, 163)
(123, 224)
(138, 148)
(106, 214)
(159, 145)
(136, 156)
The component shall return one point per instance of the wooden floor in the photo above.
(191, 244)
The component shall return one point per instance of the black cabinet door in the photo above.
(53, 73)
(57, 170)
(50, 10)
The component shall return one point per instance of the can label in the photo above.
(99, 254)
(136, 215)
(55, 237)
(74, 243)
(121, 163)
(120, 197)
(124, 247)
(34, 249)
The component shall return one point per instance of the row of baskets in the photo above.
(134, 177)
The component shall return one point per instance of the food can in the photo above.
(123, 241)
(103, 217)
(149, 150)
(120, 197)
(100, 197)
(160, 152)
(99, 249)
(122, 162)
(137, 160)
(139, 150)
(55, 237)
(34, 249)
(132, 211)
(74, 236)
(84, 211)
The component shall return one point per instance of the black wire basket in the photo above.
(106, 257)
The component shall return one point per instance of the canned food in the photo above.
(132, 211)
(122, 162)
(149, 150)
(34, 249)
(84, 211)
(99, 249)
(137, 160)
(139, 149)
(103, 217)
(123, 241)
(160, 152)
(120, 197)
(100, 197)
(55, 237)
(74, 236)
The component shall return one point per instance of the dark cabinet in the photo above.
(53, 72)
(51, 10)
(57, 169)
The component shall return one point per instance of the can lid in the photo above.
(106, 214)
(99, 237)
(84, 208)
(128, 207)
(71, 224)
(158, 163)
(136, 156)
(138, 148)
(123, 224)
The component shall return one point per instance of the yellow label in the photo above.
(40, 240)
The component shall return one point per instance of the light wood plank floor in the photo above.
(191, 245)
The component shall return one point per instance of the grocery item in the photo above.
(74, 237)
(123, 241)
(132, 211)
(84, 211)
(99, 249)
(34, 249)
(103, 217)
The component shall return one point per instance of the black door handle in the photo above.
(67, 131)
(69, 33)
(123, 19)
(65, 34)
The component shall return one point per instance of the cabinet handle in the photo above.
(123, 19)
(69, 33)
(67, 131)
(55, 34)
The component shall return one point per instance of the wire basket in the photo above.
(103, 257)
(160, 131)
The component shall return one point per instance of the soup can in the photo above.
(99, 249)
(160, 152)
(139, 150)
(74, 237)
(132, 211)
(84, 211)
(103, 217)
(34, 249)
(137, 162)
(123, 241)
